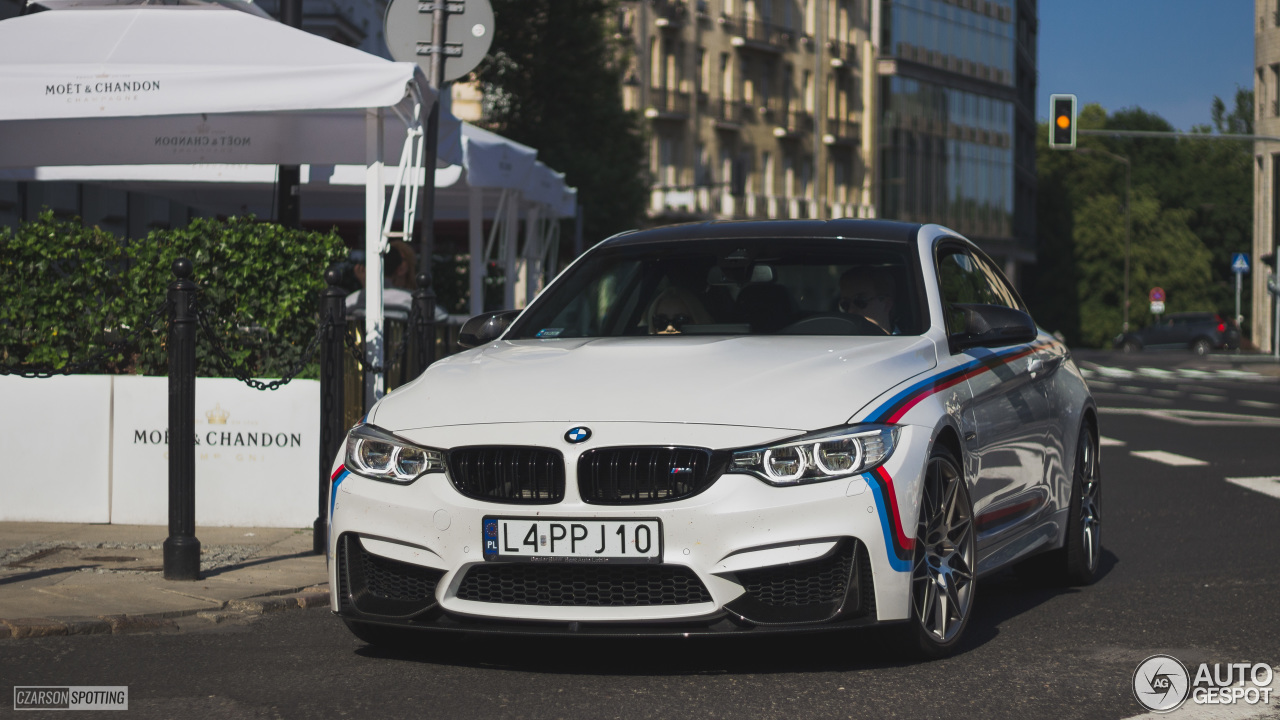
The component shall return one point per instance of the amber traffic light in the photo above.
(1062, 122)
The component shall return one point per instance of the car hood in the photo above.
(800, 383)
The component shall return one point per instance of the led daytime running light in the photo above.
(377, 454)
(825, 456)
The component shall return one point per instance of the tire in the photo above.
(1076, 562)
(1083, 546)
(1201, 346)
(943, 577)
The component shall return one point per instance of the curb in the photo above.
(315, 596)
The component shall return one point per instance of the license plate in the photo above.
(572, 540)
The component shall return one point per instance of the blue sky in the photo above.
(1169, 57)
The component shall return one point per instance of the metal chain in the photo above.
(229, 366)
(356, 348)
(93, 362)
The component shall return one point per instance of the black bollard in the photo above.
(333, 324)
(181, 548)
(422, 323)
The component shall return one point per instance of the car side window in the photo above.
(999, 286)
(962, 282)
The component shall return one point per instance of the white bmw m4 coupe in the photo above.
(729, 427)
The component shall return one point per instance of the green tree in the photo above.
(553, 81)
(1200, 187)
(1163, 253)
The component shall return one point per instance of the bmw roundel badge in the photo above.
(578, 434)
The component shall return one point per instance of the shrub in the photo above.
(73, 288)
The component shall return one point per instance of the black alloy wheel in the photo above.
(943, 574)
(1084, 522)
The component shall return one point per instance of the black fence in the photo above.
(415, 342)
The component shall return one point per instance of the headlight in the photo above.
(822, 456)
(379, 455)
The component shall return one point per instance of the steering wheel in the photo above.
(831, 323)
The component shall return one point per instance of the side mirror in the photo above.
(485, 327)
(992, 326)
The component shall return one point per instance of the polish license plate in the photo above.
(574, 540)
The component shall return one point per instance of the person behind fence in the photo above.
(673, 310)
(868, 291)
(398, 265)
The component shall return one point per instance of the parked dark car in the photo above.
(1199, 332)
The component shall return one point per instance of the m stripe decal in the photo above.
(900, 546)
(334, 481)
(895, 407)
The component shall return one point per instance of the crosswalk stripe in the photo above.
(1262, 404)
(1265, 485)
(1168, 458)
(1190, 373)
(1110, 442)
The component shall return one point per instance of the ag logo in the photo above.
(1161, 683)
(578, 435)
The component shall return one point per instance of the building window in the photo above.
(655, 63)
(1275, 83)
(704, 70)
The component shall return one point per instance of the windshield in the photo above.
(770, 286)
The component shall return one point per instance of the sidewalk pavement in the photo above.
(71, 579)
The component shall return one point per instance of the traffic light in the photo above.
(1062, 122)
(1269, 260)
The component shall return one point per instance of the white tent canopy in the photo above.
(201, 84)
(189, 84)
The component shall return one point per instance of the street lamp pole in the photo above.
(1128, 225)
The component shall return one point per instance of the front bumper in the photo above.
(762, 558)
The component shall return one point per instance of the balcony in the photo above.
(666, 104)
(842, 132)
(759, 35)
(670, 13)
(842, 54)
(728, 114)
(791, 122)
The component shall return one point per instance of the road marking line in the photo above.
(1168, 458)
(1157, 372)
(1265, 485)
(1262, 404)
(1110, 442)
(1208, 398)
(1195, 417)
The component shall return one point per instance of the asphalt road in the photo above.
(1189, 569)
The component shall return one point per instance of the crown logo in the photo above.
(217, 416)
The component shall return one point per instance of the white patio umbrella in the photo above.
(202, 84)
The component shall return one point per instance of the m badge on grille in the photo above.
(578, 435)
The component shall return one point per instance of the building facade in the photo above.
(1266, 171)
(754, 108)
(957, 120)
